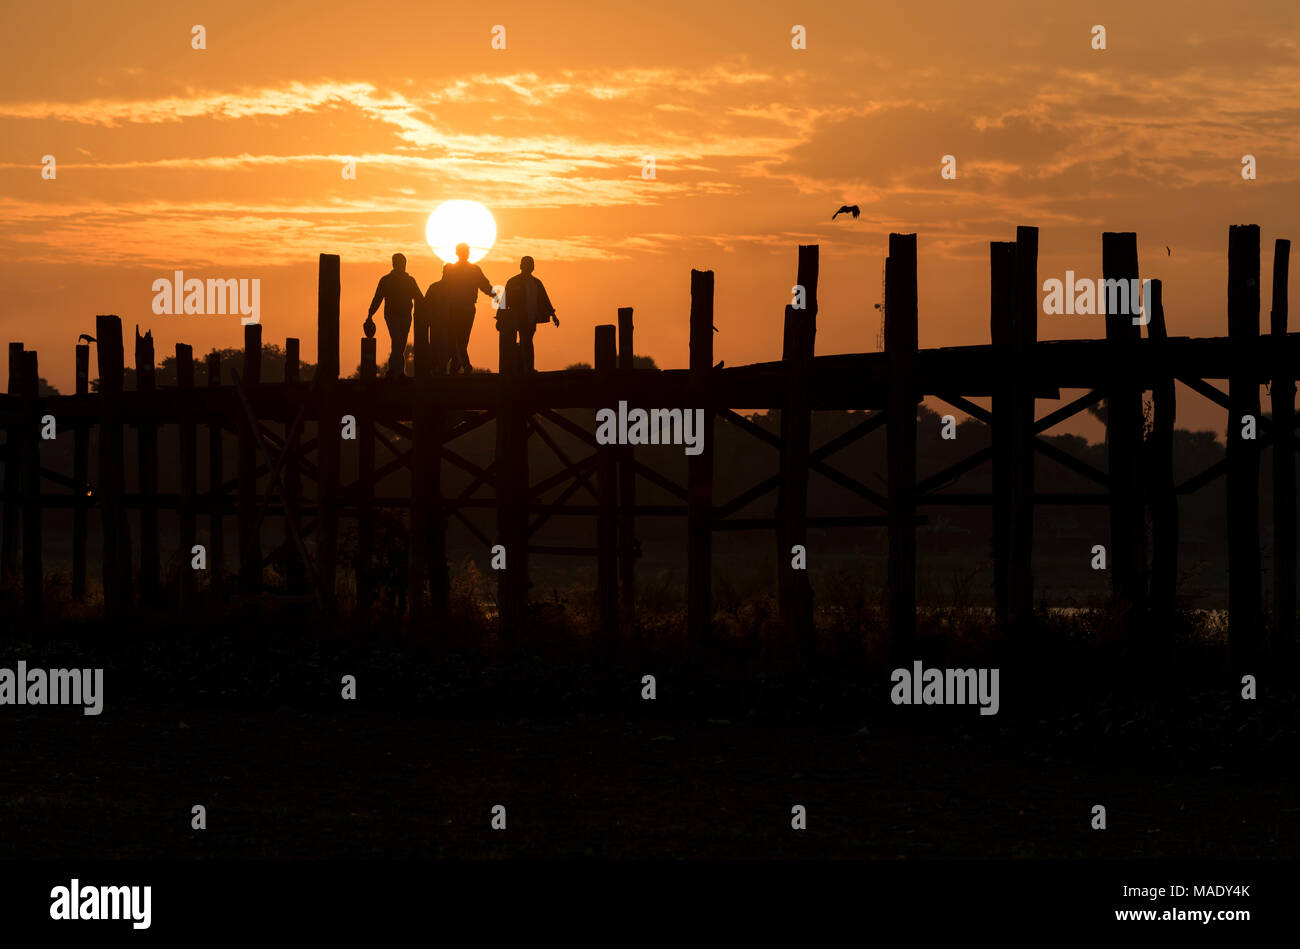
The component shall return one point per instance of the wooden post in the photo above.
(607, 495)
(292, 477)
(511, 479)
(435, 548)
(1002, 322)
(189, 486)
(365, 480)
(112, 480)
(428, 518)
(1244, 633)
(216, 496)
(13, 509)
(428, 551)
(1020, 577)
(900, 435)
(799, 343)
(328, 433)
(699, 505)
(1119, 264)
(626, 493)
(1284, 503)
(29, 447)
(422, 332)
(417, 544)
(1160, 479)
(250, 545)
(147, 456)
(80, 473)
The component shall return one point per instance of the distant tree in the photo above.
(232, 360)
(638, 362)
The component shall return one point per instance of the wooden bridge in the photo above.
(419, 420)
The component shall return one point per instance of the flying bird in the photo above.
(1168, 252)
(847, 209)
(87, 337)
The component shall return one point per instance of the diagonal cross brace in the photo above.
(275, 464)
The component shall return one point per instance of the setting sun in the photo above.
(454, 222)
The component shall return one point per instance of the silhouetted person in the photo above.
(400, 292)
(526, 305)
(435, 308)
(461, 283)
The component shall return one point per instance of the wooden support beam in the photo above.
(295, 579)
(607, 498)
(1202, 387)
(13, 507)
(557, 551)
(112, 464)
(745, 425)
(1245, 633)
(421, 414)
(1002, 267)
(901, 336)
(649, 474)
(275, 484)
(80, 475)
(29, 451)
(848, 437)
(570, 469)
(1069, 410)
(699, 518)
(1024, 293)
(469, 525)
(947, 476)
(1162, 492)
(627, 543)
(1284, 481)
(576, 470)
(216, 490)
(967, 406)
(558, 506)
(770, 523)
(250, 546)
(511, 477)
(1065, 459)
(748, 497)
(794, 592)
(366, 482)
(328, 432)
(1124, 435)
(147, 457)
(436, 548)
(188, 466)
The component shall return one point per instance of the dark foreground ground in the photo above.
(252, 726)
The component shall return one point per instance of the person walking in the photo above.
(399, 293)
(462, 282)
(526, 304)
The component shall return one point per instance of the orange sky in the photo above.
(226, 162)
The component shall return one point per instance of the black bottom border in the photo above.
(1046, 897)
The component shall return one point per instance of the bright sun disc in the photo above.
(456, 222)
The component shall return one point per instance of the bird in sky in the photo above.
(847, 209)
(87, 337)
(1168, 252)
